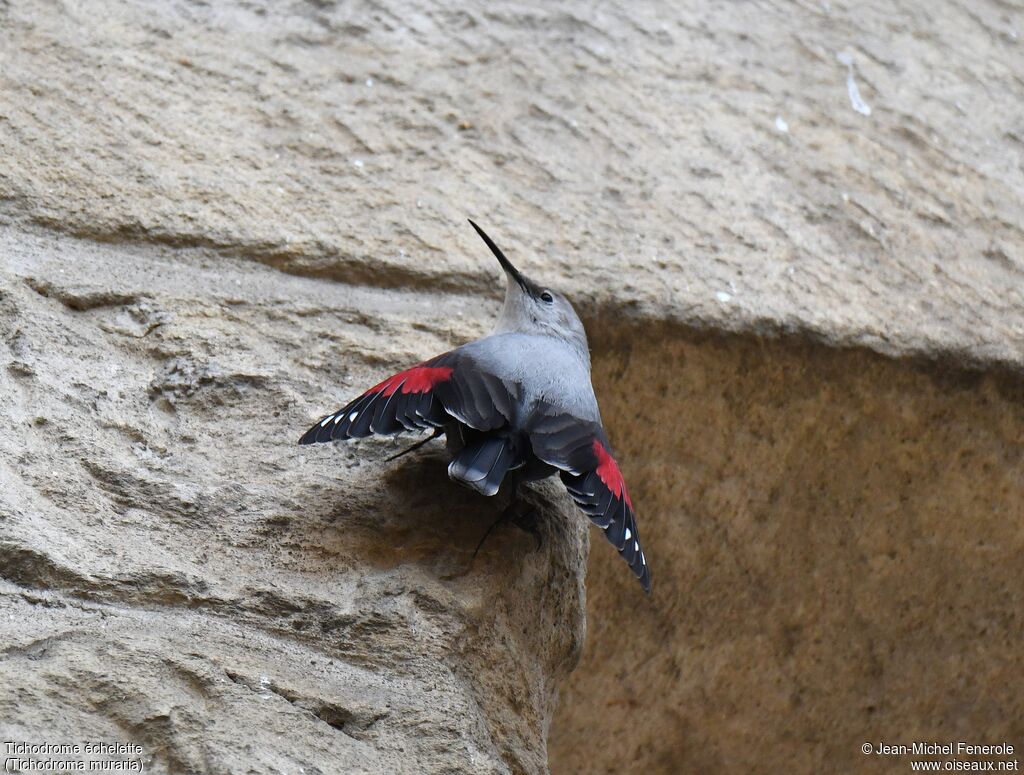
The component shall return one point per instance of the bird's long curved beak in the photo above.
(510, 270)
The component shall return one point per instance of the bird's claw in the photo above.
(525, 519)
(528, 520)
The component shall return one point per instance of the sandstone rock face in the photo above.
(794, 231)
(838, 538)
(179, 573)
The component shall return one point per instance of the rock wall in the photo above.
(178, 573)
(838, 538)
(794, 230)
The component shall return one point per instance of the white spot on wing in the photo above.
(636, 546)
(326, 420)
(337, 419)
(643, 559)
(628, 534)
(352, 417)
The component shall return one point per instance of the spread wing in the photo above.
(580, 450)
(428, 395)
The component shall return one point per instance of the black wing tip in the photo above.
(645, 580)
(321, 432)
(638, 564)
(309, 437)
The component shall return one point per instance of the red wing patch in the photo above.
(418, 379)
(425, 396)
(580, 449)
(402, 402)
(600, 492)
(608, 470)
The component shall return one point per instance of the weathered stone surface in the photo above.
(633, 152)
(837, 539)
(178, 573)
(218, 219)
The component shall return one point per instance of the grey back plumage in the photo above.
(537, 368)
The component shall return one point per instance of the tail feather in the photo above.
(482, 464)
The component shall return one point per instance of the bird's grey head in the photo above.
(534, 309)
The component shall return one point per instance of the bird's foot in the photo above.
(528, 519)
(522, 515)
(437, 432)
(494, 524)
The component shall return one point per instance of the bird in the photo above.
(516, 405)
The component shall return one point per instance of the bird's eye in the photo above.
(547, 297)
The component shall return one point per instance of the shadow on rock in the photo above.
(408, 512)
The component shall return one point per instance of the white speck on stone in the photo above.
(325, 421)
(723, 297)
(419, 203)
(280, 190)
(628, 534)
(369, 82)
(856, 102)
(780, 124)
(358, 163)
(846, 197)
(352, 417)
